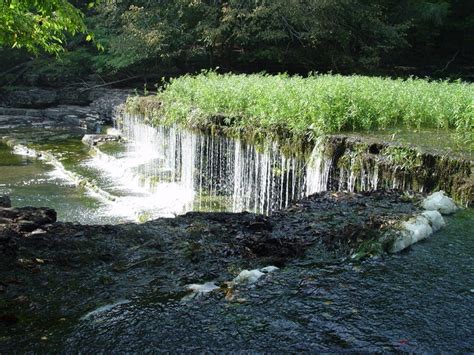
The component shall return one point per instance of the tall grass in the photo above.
(306, 107)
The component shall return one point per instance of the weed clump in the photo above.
(306, 107)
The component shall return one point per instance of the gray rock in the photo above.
(31, 98)
(97, 139)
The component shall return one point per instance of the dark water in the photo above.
(420, 300)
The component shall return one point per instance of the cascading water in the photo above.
(218, 173)
(172, 170)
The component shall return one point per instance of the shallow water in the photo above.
(31, 182)
(420, 300)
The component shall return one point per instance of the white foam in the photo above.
(113, 132)
(20, 149)
(103, 309)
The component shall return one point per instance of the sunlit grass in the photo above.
(303, 108)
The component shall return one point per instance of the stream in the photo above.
(420, 300)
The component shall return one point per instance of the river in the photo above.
(419, 300)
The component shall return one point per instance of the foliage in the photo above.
(38, 24)
(262, 104)
(282, 35)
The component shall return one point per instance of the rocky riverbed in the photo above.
(54, 273)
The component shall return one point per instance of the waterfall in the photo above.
(175, 170)
(318, 169)
(212, 172)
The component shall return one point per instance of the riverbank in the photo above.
(73, 108)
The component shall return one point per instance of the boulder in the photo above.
(438, 201)
(27, 219)
(97, 139)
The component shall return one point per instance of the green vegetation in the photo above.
(283, 35)
(293, 106)
(39, 25)
(140, 37)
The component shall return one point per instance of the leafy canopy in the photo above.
(37, 25)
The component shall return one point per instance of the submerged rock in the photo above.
(5, 201)
(8, 246)
(64, 268)
(439, 202)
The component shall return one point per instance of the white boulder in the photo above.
(438, 201)
(435, 218)
(413, 231)
(268, 269)
(202, 288)
(252, 276)
(248, 277)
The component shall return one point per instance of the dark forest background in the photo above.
(145, 40)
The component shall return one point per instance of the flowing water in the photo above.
(420, 300)
(164, 171)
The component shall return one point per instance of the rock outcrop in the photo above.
(45, 108)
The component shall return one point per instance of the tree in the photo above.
(37, 25)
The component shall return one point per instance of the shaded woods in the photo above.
(421, 37)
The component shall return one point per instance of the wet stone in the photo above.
(5, 201)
